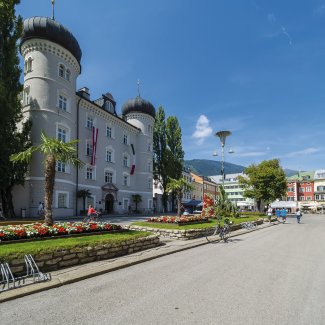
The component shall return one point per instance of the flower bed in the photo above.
(183, 220)
(40, 230)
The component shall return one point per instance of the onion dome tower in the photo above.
(141, 113)
(51, 66)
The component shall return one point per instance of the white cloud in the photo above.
(306, 151)
(203, 129)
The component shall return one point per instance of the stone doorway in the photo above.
(109, 203)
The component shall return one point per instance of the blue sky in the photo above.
(254, 67)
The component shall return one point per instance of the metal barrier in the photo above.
(33, 275)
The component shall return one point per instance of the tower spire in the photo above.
(53, 3)
(138, 83)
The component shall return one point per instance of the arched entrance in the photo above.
(109, 203)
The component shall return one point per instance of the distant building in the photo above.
(234, 190)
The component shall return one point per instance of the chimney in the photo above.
(84, 92)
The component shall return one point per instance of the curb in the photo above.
(93, 269)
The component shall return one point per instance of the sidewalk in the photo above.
(81, 272)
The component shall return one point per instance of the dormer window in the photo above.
(109, 107)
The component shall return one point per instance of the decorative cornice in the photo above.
(42, 45)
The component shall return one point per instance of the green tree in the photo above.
(174, 143)
(174, 152)
(53, 150)
(136, 198)
(12, 139)
(178, 186)
(265, 182)
(84, 194)
(160, 159)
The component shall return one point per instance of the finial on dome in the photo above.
(138, 88)
(53, 3)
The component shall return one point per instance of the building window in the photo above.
(108, 177)
(90, 173)
(301, 190)
(125, 139)
(61, 70)
(125, 161)
(60, 167)
(149, 183)
(63, 102)
(28, 65)
(89, 148)
(320, 197)
(149, 147)
(126, 203)
(62, 199)
(62, 134)
(90, 122)
(109, 155)
(125, 180)
(301, 198)
(26, 99)
(308, 189)
(108, 131)
(68, 75)
(149, 166)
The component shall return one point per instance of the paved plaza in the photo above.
(274, 275)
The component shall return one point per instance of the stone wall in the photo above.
(80, 255)
(182, 234)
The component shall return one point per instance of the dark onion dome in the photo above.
(49, 29)
(139, 105)
(109, 96)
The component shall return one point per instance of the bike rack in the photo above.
(33, 275)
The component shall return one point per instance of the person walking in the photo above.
(284, 215)
(298, 215)
(269, 213)
(278, 214)
(40, 209)
(90, 214)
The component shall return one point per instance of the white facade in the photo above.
(50, 100)
(234, 190)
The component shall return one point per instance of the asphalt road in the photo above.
(270, 276)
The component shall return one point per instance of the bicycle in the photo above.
(93, 218)
(222, 231)
(98, 216)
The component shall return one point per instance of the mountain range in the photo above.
(206, 167)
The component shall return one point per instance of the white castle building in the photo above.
(117, 150)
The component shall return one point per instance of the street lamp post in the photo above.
(222, 136)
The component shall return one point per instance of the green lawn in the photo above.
(211, 223)
(18, 250)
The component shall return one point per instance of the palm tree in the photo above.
(178, 186)
(84, 194)
(223, 206)
(54, 150)
(136, 198)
